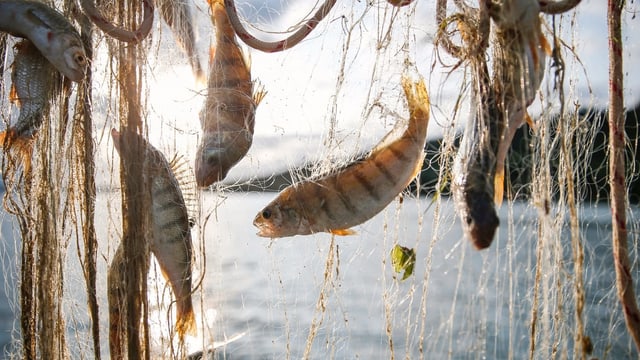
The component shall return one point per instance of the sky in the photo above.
(315, 107)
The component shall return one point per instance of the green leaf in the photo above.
(403, 259)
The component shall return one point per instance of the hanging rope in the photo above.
(617, 183)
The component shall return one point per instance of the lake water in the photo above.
(459, 304)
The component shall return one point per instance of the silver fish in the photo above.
(171, 243)
(49, 31)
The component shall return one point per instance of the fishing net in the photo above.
(80, 279)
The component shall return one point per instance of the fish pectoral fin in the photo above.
(498, 187)
(342, 232)
(544, 44)
(530, 122)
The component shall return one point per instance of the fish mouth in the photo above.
(264, 230)
(209, 166)
(74, 75)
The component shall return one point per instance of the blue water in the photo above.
(477, 304)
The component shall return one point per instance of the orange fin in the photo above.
(212, 54)
(498, 187)
(22, 145)
(201, 78)
(258, 92)
(13, 96)
(342, 232)
(544, 44)
(186, 323)
(530, 122)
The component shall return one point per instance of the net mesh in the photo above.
(77, 272)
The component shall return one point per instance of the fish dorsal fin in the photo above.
(184, 174)
(258, 92)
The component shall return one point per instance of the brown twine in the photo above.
(135, 195)
(35, 198)
(86, 179)
(617, 182)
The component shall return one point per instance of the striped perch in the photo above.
(351, 196)
(228, 116)
(171, 242)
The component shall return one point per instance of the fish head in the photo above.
(217, 153)
(481, 220)
(68, 55)
(281, 218)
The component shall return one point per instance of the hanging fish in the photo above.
(228, 116)
(338, 201)
(520, 54)
(475, 163)
(49, 31)
(171, 242)
(177, 15)
(35, 83)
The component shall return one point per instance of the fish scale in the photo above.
(352, 195)
(34, 86)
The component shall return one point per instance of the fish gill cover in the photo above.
(515, 87)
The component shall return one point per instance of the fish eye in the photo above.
(80, 59)
(266, 213)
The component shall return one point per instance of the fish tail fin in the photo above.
(201, 77)
(186, 320)
(20, 145)
(220, 18)
(419, 103)
(498, 187)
